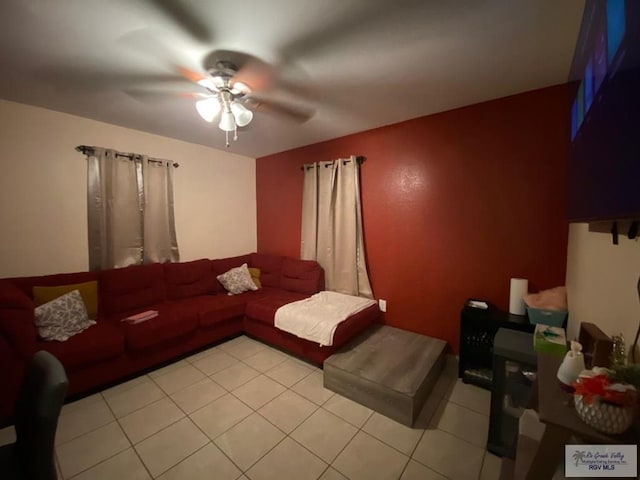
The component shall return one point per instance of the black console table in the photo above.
(478, 327)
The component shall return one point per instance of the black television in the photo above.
(604, 156)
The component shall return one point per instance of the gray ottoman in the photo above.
(389, 370)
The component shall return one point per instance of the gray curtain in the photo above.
(130, 210)
(332, 225)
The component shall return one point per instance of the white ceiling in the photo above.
(359, 64)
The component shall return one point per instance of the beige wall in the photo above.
(601, 282)
(43, 212)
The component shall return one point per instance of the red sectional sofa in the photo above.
(194, 311)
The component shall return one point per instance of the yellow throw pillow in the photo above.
(255, 276)
(88, 292)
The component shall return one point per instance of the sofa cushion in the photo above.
(189, 279)
(221, 308)
(255, 276)
(270, 268)
(26, 284)
(131, 288)
(174, 320)
(88, 292)
(263, 309)
(62, 317)
(302, 276)
(221, 265)
(101, 342)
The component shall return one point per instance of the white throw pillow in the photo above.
(237, 280)
(62, 317)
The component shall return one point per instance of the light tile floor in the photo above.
(243, 410)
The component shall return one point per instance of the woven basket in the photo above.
(604, 417)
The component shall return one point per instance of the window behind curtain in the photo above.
(130, 210)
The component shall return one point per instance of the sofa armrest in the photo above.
(17, 323)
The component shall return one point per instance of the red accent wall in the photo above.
(454, 205)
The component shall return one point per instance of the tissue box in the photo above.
(549, 339)
(553, 318)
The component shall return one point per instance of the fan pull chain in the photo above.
(226, 134)
(235, 134)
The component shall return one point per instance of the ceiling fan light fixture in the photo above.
(239, 87)
(242, 115)
(208, 108)
(227, 121)
(207, 83)
(218, 81)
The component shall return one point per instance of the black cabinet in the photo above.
(478, 328)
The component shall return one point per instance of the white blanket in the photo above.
(316, 318)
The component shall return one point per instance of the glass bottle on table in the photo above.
(618, 352)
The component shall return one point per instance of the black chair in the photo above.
(36, 418)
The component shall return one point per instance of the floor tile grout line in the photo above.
(212, 440)
(64, 413)
(424, 430)
(225, 431)
(430, 467)
(237, 423)
(359, 427)
(304, 420)
(238, 386)
(256, 410)
(287, 386)
(244, 472)
(96, 464)
(437, 471)
(184, 459)
(209, 375)
(168, 397)
(286, 435)
(102, 392)
(181, 388)
(226, 392)
(208, 351)
(98, 427)
(458, 437)
(164, 395)
(311, 452)
(265, 350)
(152, 434)
(55, 446)
(467, 408)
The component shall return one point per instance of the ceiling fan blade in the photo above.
(187, 19)
(190, 75)
(297, 113)
(367, 23)
(257, 75)
(150, 44)
(157, 96)
(92, 79)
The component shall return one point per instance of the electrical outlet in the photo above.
(383, 305)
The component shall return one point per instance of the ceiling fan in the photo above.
(236, 84)
(225, 97)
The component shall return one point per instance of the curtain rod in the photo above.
(85, 149)
(360, 159)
